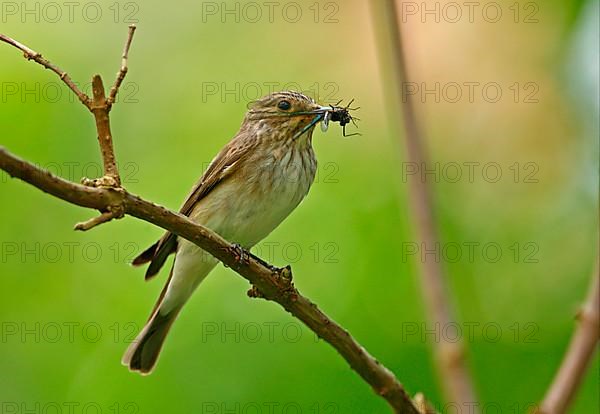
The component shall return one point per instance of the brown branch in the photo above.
(100, 109)
(454, 375)
(30, 54)
(274, 284)
(579, 354)
(96, 221)
(107, 196)
(123, 71)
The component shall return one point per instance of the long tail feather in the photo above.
(143, 353)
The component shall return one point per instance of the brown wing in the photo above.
(219, 169)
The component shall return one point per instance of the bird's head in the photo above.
(288, 112)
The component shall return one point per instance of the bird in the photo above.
(249, 188)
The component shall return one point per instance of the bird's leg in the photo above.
(244, 256)
(284, 274)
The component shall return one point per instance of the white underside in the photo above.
(242, 212)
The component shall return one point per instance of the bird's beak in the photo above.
(321, 109)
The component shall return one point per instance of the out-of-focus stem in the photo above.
(450, 359)
(579, 354)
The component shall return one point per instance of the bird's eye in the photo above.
(284, 105)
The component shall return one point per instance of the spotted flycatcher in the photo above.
(250, 187)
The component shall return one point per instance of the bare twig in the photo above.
(102, 218)
(579, 354)
(99, 106)
(107, 196)
(100, 111)
(454, 375)
(30, 54)
(123, 71)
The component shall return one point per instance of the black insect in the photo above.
(341, 114)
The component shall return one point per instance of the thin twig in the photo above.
(579, 354)
(123, 71)
(274, 285)
(100, 111)
(31, 54)
(454, 375)
(96, 221)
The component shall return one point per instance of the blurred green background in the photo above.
(70, 303)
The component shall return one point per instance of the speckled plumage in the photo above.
(250, 187)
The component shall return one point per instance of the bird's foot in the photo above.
(241, 255)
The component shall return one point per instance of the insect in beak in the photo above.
(330, 113)
(336, 113)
